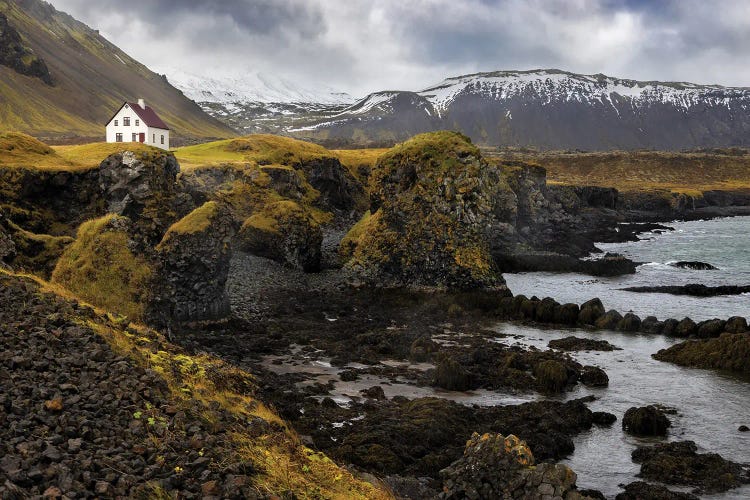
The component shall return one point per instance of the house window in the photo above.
(137, 122)
(135, 137)
(162, 139)
(153, 139)
(118, 137)
(115, 123)
(126, 121)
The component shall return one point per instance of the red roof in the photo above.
(148, 115)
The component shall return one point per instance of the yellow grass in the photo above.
(354, 159)
(195, 222)
(260, 149)
(88, 156)
(689, 173)
(100, 268)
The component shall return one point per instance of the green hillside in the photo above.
(90, 78)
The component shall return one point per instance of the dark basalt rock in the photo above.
(670, 326)
(567, 314)
(640, 490)
(694, 265)
(743, 428)
(679, 463)
(652, 325)
(495, 466)
(736, 324)
(142, 187)
(579, 344)
(610, 265)
(603, 418)
(551, 376)
(710, 328)
(646, 421)
(591, 311)
(693, 289)
(593, 376)
(629, 323)
(686, 328)
(730, 351)
(192, 268)
(609, 320)
(451, 375)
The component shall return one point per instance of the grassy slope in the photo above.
(282, 462)
(261, 149)
(91, 82)
(647, 170)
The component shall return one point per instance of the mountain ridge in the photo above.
(541, 108)
(91, 78)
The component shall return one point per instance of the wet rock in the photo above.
(670, 326)
(528, 308)
(730, 351)
(581, 344)
(629, 323)
(686, 328)
(736, 324)
(710, 328)
(640, 490)
(743, 428)
(348, 375)
(375, 392)
(652, 325)
(551, 376)
(451, 375)
(566, 314)
(422, 348)
(591, 311)
(610, 265)
(694, 265)
(495, 466)
(593, 376)
(646, 421)
(693, 290)
(609, 320)
(603, 418)
(545, 310)
(679, 463)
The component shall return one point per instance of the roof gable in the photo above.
(147, 115)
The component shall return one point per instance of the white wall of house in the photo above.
(131, 132)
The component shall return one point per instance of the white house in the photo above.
(136, 122)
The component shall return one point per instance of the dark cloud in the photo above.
(361, 45)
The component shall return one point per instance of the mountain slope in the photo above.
(552, 109)
(89, 78)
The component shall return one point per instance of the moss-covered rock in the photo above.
(285, 232)
(551, 376)
(192, 267)
(730, 351)
(450, 375)
(100, 267)
(646, 421)
(591, 311)
(432, 199)
(609, 320)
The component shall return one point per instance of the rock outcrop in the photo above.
(730, 351)
(141, 186)
(285, 232)
(646, 421)
(432, 200)
(192, 267)
(15, 55)
(679, 463)
(495, 466)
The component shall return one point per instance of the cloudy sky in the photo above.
(360, 46)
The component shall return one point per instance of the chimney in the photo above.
(142, 103)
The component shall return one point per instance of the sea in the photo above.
(723, 243)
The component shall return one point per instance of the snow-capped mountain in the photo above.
(252, 87)
(546, 109)
(551, 109)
